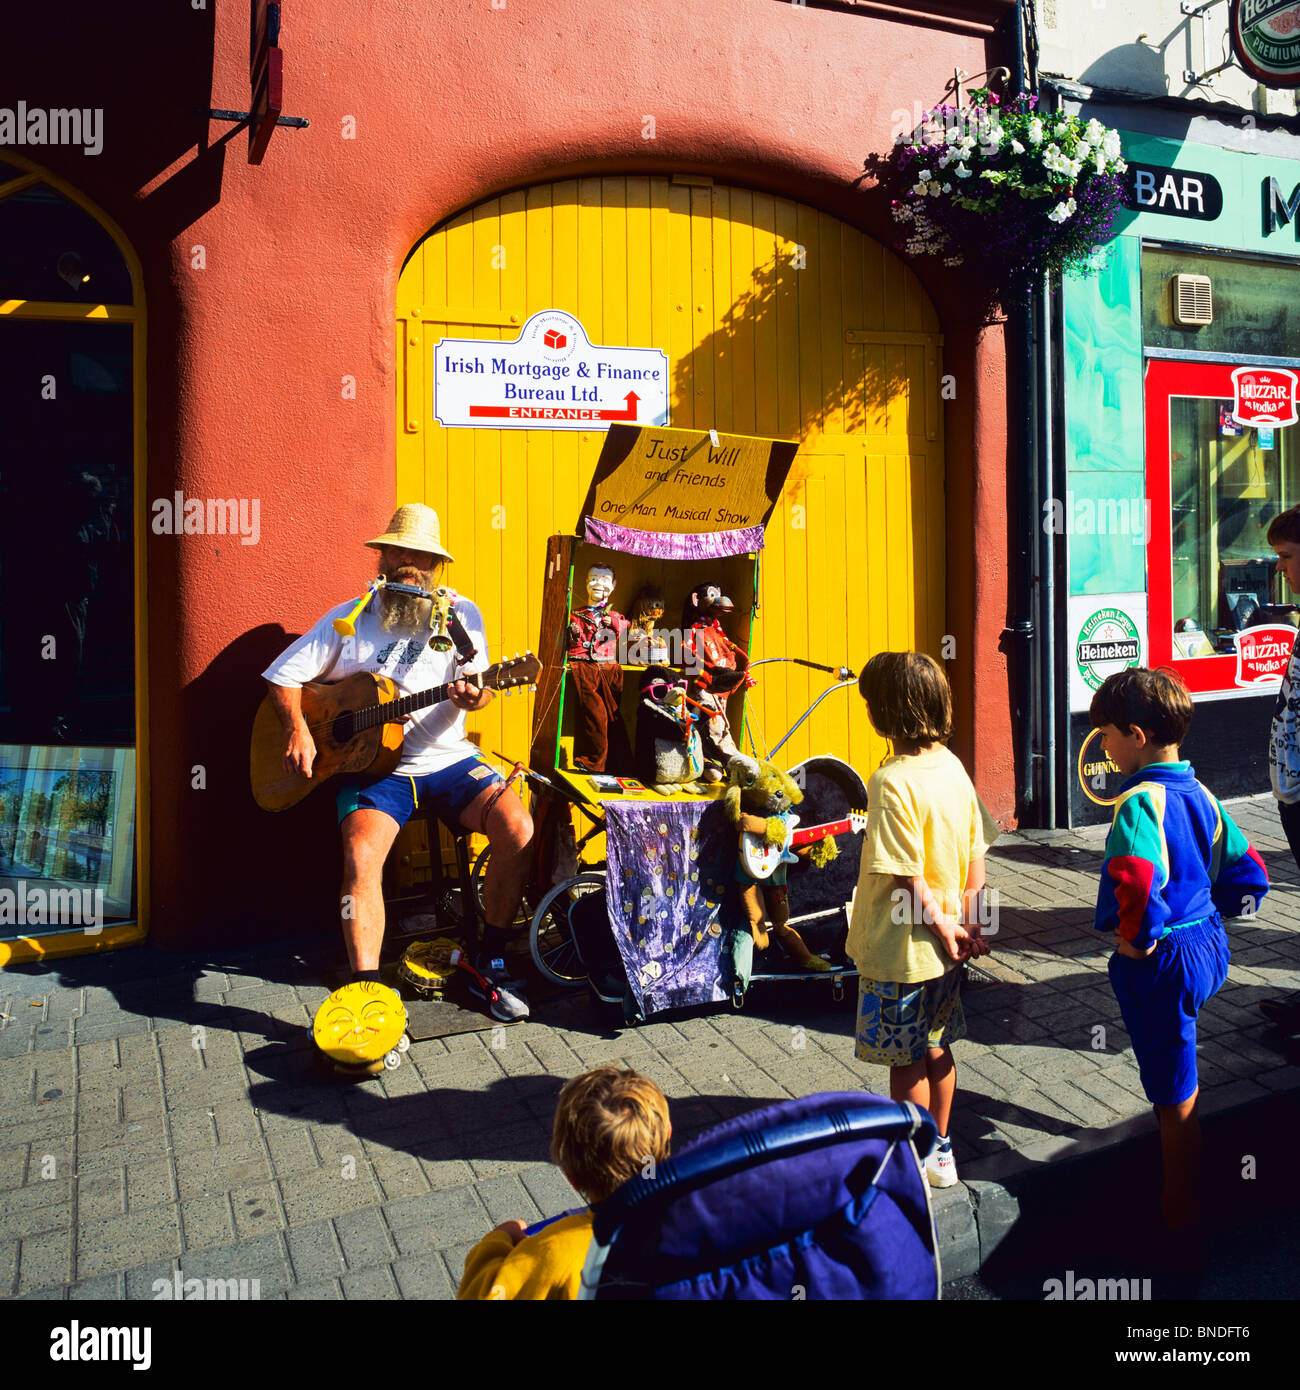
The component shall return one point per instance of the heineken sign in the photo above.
(1266, 39)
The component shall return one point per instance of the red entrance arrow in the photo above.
(554, 412)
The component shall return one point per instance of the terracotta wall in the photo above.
(300, 257)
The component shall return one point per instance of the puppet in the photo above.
(759, 800)
(717, 666)
(668, 751)
(646, 644)
(600, 740)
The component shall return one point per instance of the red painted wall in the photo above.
(452, 102)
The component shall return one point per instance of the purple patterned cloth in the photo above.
(673, 545)
(669, 867)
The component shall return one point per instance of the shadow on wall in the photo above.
(759, 338)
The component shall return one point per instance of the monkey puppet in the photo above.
(759, 799)
(600, 739)
(668, 750)
(717, 666)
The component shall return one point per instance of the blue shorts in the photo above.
(1159, 998)
(448, 792)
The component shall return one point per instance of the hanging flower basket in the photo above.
(1000, 186)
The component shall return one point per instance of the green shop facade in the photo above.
(1172, 444)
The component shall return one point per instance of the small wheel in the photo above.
(404, 1043)
(551, 941)
(392, 1060)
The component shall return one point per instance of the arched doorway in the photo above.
(778, 320)
(70, 357)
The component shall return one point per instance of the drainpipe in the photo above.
(1021, 624)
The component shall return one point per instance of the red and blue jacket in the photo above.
(1173, 857)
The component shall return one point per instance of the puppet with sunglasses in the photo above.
(668, 748)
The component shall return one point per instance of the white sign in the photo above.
(551, 377)
(1107, 633)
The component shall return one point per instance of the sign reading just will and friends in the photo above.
(551, 377)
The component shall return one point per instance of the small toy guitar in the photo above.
(761, 859)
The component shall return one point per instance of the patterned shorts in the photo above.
(897, 1022)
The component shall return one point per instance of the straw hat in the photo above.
(413, 527)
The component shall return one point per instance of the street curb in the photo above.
(1005, 1193)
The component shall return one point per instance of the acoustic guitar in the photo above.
(761, 859)
(357, 727)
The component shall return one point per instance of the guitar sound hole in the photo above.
(343, 728)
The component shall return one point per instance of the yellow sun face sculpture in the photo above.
(358, 1025)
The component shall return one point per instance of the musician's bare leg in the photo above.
(509, 829)
(368, 835)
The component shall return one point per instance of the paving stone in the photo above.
(453, 1216)
(105, 1246)
(46, 1261)
(112, 1146)
(314, 1252)
(103, 1288)
(424, 1277)
(261, 1259)
(371, 1284)
(311, 1196)
(9, 1250)
(256, 1210)
(507, 1199)
(399, 1175)
(318, 1291)
(101, 1195)
(13, 1166)
(364, 1238)
(207, 1222)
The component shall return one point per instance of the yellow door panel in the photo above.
(778, 320)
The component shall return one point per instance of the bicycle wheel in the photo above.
(551, 940)
(476, 875)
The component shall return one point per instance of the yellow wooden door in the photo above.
(778, 320)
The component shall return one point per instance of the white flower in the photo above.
(1082, 150)
(1034, 133)
(947, 188)
(1111, 144)
(1061, 211)
(919, 189)
(962, 171)
(926, 176)
(1094, 132)
(1017, 147)
(1099, 159)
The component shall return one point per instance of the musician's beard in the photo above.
(405, 613)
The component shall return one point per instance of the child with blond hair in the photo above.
(610, 1125)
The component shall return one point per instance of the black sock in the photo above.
(494, 940)
(359, 975)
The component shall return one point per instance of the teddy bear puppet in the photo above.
(758, 800)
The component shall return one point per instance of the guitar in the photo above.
(761, 859)
(357, 728)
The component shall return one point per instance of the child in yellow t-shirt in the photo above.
(609, 1124)
(921, 872)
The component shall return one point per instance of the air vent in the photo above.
(1193, 301)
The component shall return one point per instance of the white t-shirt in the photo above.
(1284, 737)
(435, 737)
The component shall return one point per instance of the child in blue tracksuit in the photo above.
(1175, 864)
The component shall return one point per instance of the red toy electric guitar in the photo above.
(760, 858)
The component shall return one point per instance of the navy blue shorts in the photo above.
(448, 792)
(1160, 997)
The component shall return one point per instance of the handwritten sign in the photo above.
(680, 481)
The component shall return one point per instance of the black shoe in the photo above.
(492, 984)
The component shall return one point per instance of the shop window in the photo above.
(1228, 481)
(1255, 304)
(53, 251)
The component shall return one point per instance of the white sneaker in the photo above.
(941, 1168)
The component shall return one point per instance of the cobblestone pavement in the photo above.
(161, 1112)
